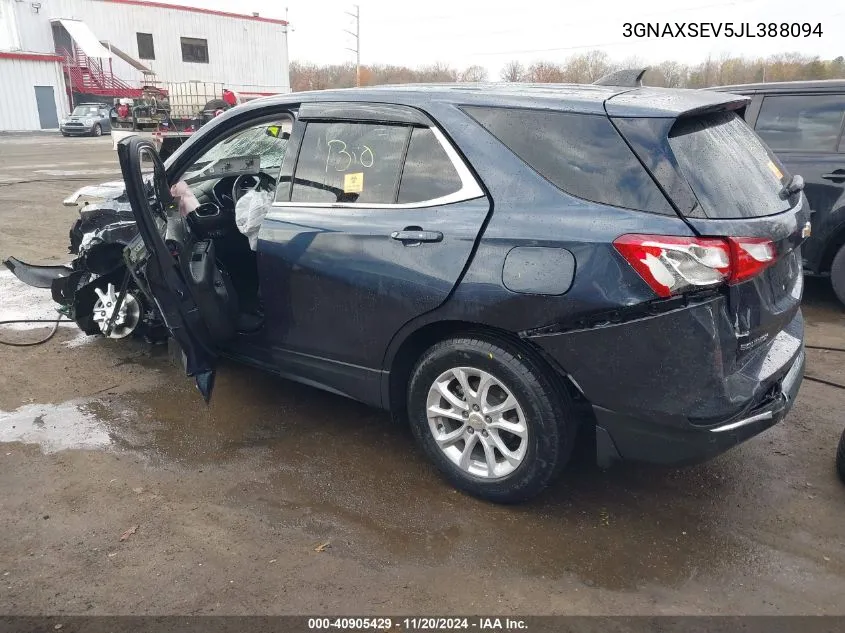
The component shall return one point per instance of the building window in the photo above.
(194, 50)
(146, 50)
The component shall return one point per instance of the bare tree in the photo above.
(582, 68)
(668, 74)
(513, 71)
(438, 72)
(597, 65)
(544, 72)
(474, 73)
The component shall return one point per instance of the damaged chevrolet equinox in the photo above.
(500, 265)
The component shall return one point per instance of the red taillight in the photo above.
(672, 265)
(749, 256)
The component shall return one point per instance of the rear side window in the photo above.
(801, 122)
(581, 154)
(730, 171)
(428, 173)
(349, 162)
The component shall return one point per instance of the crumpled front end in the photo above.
(86, 287)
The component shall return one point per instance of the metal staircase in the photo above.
(87, 75)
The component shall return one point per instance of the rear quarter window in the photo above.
(582, 154)
(428, 173)
(727, 166)
(810, 123)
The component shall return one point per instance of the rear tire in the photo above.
(837, 274)
(840, 458)
(516, 464)
(97, 131)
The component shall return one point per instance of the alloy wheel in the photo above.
(477, 422)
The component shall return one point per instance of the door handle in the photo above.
(413, 235)
(837, 175)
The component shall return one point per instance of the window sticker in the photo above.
(353, 183)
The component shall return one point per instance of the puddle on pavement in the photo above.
(347, 473)
(55, 427)
(19, 301)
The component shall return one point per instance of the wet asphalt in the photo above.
(278, 498)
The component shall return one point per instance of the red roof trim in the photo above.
(32, 57)
(177, 7)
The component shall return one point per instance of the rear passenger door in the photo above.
(375, 218)
(805, 131)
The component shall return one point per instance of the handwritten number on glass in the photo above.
(366, 158)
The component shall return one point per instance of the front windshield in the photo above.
(86, 110)
(252, 142)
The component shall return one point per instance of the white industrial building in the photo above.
(110, 48)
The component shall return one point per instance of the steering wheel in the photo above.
(251, 182)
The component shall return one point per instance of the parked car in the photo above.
(840, 457)
(803, 122)
(483, 261)
(87, 119)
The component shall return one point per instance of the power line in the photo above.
(638, 17)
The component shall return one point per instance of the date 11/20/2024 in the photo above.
(721, 29)
(479, 623)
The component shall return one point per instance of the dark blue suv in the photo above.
(498, 264)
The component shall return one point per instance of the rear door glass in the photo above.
(428, 173)
(801, 122)
(349, 162)
(730, 171)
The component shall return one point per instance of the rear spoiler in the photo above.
(648, 102)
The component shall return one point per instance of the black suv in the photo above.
(480, 260)
(803, 122)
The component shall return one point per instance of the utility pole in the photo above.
(357, 36)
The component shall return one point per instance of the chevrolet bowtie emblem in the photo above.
(807, 231)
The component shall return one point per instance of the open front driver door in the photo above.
(195, 297)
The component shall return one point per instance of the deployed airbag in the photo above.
(249, 214)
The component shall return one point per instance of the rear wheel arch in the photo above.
(415, 344)
(834, 243)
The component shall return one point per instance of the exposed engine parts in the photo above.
(88, 289)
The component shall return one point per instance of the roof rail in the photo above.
(626, 78)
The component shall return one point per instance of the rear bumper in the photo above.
(675, 387)
(621, 436)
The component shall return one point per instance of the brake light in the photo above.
(672, 265)
(750, 256)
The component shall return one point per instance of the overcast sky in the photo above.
(491, 32)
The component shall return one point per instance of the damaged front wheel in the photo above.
(116, 321)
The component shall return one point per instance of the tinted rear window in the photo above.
(727, 166)
(581, 154)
